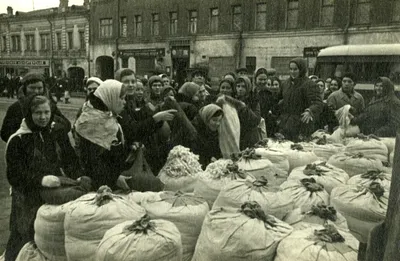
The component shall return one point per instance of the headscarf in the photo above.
(93, 79)
(189, 89)
(261, 71)
(166, 90)
(247, 82)
(109, 93)
(119, 74)
(207, 112)
(28, 114)
(302, 65)
(388, 87)
(230, 82)
(153, 79)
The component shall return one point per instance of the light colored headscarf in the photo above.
(94, 79)
(101, 127)
(207, 112)
(109, 92)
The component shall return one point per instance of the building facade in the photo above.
(50, 41)
(222, 35)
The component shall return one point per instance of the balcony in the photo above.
(77, 53)
(30, 53)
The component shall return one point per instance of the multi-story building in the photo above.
(49, 41)
(226, 34)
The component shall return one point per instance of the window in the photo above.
(327, 12)
(251, 64)
(70, 40)
(123, 26)
(138, 25)
(261, 16)
(106, 28)
(16, 43)
(82, 40)
(3, 43)
(193, 21)
(173, 23)
(292, 13)
(30, 42)
(59, 41)
(237, 18)
(155, 24)
(214, 20)
(363, 11)
(396, 11)
(45, 42)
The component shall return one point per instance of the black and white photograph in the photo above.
(199, 130)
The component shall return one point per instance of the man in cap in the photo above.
(242, 71)
(32, 84)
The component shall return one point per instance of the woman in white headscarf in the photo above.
(99, 138)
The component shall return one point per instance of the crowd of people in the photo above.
(121, 114)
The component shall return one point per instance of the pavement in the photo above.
(69, 110)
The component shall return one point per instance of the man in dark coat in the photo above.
(301, 103)
(382, 115)
(32, 83)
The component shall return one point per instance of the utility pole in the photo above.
(117, 36)
(33, 5)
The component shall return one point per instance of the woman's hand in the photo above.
(306, 117)
(51, 181)
(167, 115)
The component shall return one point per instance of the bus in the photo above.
(368, 62)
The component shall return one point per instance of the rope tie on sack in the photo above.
(311, 185)
(376, 189)
(249, 154)
(103, 196)
(180, 199)
(262, 144)
(373, 175)
(329, 234)
(253, 210)
(260, 184)
(323, 211)
(279, 137)
(232, 170)
(322, 141)
(367, 137)
(297, 146)
(314, 169)
(142, 225)
(358, 155)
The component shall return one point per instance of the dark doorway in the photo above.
(105, 67)
(76, 75)
(180, 65)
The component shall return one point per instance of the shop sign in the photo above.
(312, 51)
(143, 52)
(180, 52)
(35, 63)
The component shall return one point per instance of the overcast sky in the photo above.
(27, 5)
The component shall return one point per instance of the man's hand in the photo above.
(121, 182)
(167, 115)
(51, 181)
(306, 117)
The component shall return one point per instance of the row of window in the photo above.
(45, 41)
(326, 18)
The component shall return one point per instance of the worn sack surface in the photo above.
(186, 211)
(371, 148)
(30, 252)
(228, 234)
(354, 164)
(304, 245)
(305, 193)
(235, 193)
(319, 215)
(88, 219)
(362, 206)
(229, 132)
(49, 231)
(327, 175)
(155, 240)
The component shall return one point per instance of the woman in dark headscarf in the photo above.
(269, 99)
(249, 114)
(301, 103)
(206, 143)
(382, 115)
(34, 162)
